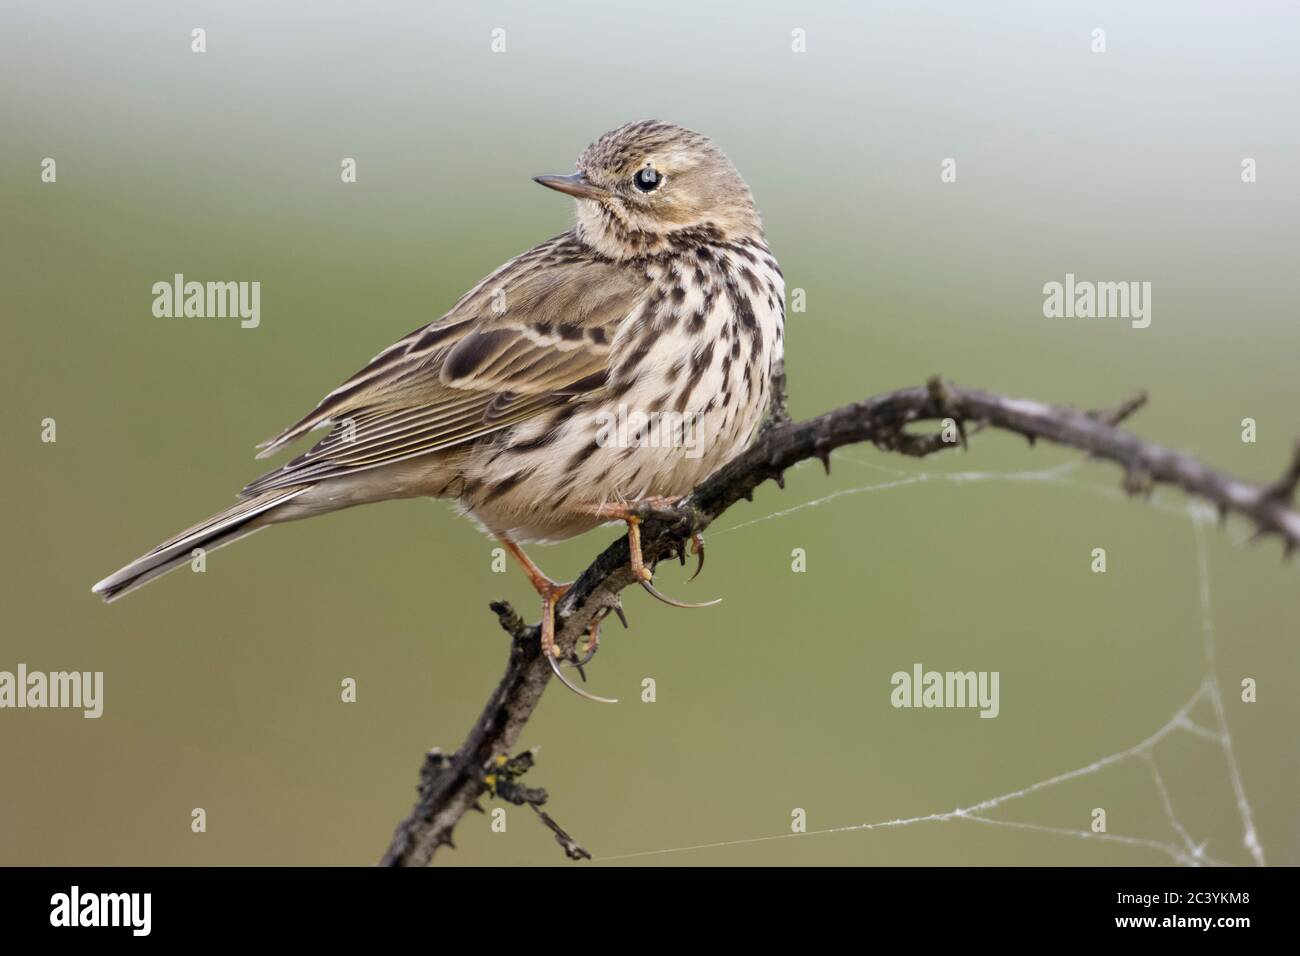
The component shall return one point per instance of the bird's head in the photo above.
(648, 186)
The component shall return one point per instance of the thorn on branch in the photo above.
(1283, 490)
(822, 449)
(1120, 412)
(961, 433)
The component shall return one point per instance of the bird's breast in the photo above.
(691, 366)
(687, 385)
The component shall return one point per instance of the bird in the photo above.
(661, 306)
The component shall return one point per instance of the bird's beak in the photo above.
(576, 184)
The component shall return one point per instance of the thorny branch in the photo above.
(450, 786)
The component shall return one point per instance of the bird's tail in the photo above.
(234, 523)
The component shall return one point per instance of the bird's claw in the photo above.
(673, 602)
(697, 548)
(555, 666)
(645, 576)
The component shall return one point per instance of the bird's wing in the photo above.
(532, 335)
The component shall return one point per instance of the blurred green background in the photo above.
(222, 689)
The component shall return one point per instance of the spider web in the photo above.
(1181, 847)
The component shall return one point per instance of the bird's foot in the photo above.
(633, 514)
(578, 663)
(551, 593)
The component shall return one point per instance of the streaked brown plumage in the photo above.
(664, 297)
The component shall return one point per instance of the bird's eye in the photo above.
(647, 180)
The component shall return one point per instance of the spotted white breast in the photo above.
(686, 389)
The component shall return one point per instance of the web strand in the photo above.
(1249, 836)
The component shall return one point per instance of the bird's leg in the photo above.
(549, 591)
(631, 515)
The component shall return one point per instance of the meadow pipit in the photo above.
(662, 305)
